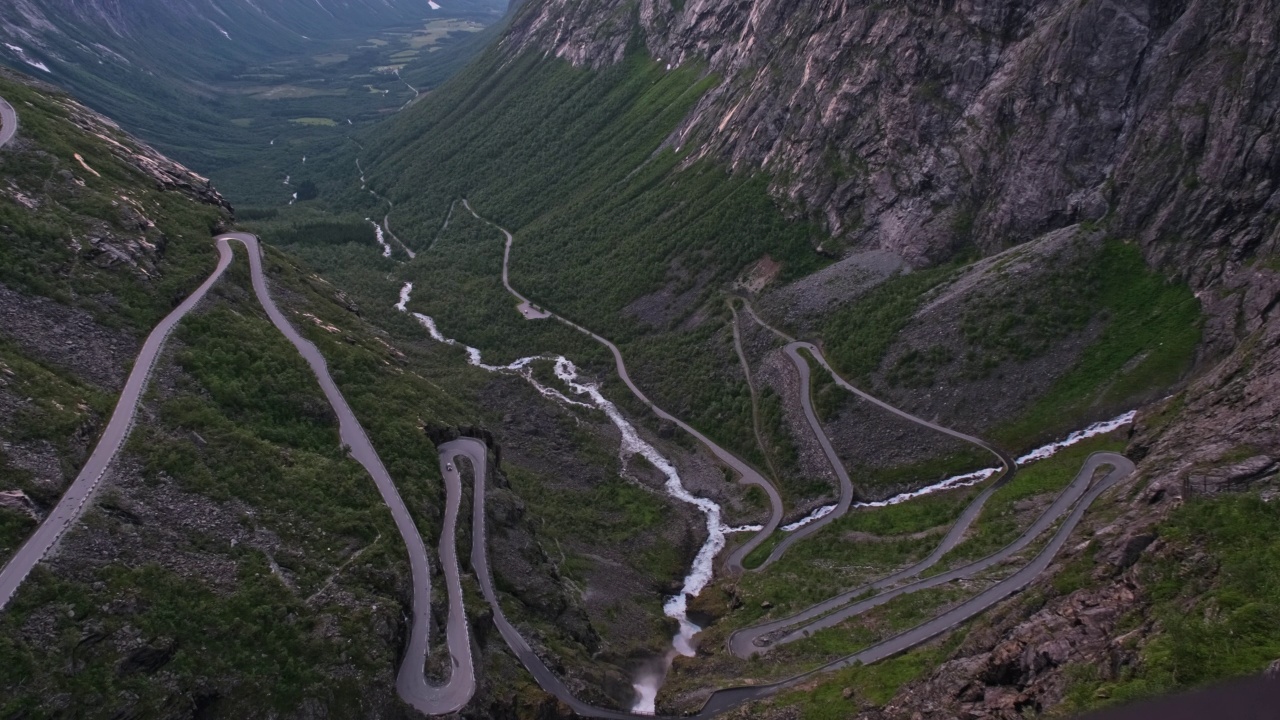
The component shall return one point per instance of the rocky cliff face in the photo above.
(167, 175)
(922, 126)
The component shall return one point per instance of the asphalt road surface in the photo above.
(845, 501)
(836, 610)
(476, 452)
(77, 496)
(411, 682)
(723, 700)
(8, 122)
(747, 474)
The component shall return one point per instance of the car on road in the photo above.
(448, 466)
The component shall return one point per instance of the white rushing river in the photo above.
(977, 476)
(632, 444)
(386, 248)
(700, 574)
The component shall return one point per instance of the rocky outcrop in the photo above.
(923, 126)
(167, 174)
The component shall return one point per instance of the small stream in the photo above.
(649, 680)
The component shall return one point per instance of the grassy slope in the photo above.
(1213, 597)
(245, 427)
(1151, 328)
(573, 162)
(1147, 345)
(269, 443)
(40, 255)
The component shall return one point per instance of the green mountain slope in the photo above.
(1015, 271)
(235, 561)
(219, 84)
(641, 202)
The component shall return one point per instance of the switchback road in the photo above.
(1069, 508)
(723, 700)
(73, 501)
(411, 683)
(747, 474)
(792, 351)
(1121, 467)
(8, 122)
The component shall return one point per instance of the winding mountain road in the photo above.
(792, 351)
(831, 612)
(1071, 503)
(411, 682)
(8, 122)
(1080, 495)
(81, 490)
(751, 387)
(1122, 467)
(747, 474)
(475, 452)
(526, 307)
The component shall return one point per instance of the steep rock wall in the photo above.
(920, 126)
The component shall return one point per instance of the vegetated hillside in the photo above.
(1085, 194)
(211, 82)
(921, 126)
(101, 234)
(235, 561)
(628, 224)
(234, 466)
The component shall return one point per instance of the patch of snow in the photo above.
(22, 55)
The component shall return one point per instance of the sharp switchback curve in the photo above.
(1074, 500)
(1077, 500)
(411, 683)
(748, 475)
(8, 122)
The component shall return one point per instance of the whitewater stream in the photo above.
(978, 476)
(632, 444)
